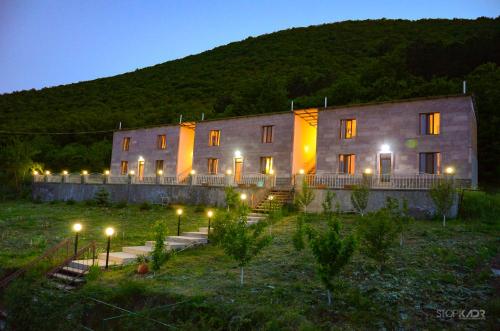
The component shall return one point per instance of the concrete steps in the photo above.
(187, 239)
(138, 250)
(196, 234)
(170, 245)
(119, 257)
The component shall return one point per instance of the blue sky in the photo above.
(47, 42)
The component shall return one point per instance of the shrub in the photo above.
(327, 205)
(102, 197)
(121, 204)
(232, 198)
(377, 232)
(305, 196)
(331, 252)
(443, 194)
(480, 205)
(145, 206)
(159, 255)
(359, 198)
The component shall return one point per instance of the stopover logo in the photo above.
(461, 314)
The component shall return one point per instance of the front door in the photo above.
(385, 167)
(238, 169)
(140, 171)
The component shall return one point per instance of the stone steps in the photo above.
(196, 234)
(138, 250)
(170, 245)
(67, 279)
(187, 239)
(118, 257)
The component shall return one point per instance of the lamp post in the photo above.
(109, 233)
(270, 198)
(77, 227)
(209, 214)
(179, 213)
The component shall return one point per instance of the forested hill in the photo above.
(349, 62)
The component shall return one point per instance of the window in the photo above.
(159, 165)
(126, 143)
(430, 123)
(124, 167)
(430, 163)
(347, 129)
(267, 134)
(214, 138)
(347, 163)
(266, 165)
(213, 165)
(161, 141)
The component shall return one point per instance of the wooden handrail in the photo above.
(73, 257)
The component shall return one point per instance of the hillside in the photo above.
(352, 61)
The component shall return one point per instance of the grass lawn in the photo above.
(437, 268)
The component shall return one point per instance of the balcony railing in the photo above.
(333, 181)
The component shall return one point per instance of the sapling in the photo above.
(305, 196)
(359, 198)
(443, 194)
(331, 252)
(159, 255)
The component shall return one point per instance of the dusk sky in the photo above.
(48, 43)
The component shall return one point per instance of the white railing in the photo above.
(118, 179)
(209, 180)
(259, 180)
(401, 182)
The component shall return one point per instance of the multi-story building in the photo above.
(416, 137)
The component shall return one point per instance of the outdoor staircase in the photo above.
(274, 200)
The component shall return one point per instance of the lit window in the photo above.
(430, 123)
(430, 163)
(347, 163)
(214, 138)
(266, 165)
(213, 165)
(126, 143)
(267, 134)
(124, 167)
(159, 165)
(161, 141)
(347, 129)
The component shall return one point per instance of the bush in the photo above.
(159, 255)
(121, 204)
(102, 197)
(359, 198)
(443, 194)
(145, 206)
(480, 205)
(377, 232)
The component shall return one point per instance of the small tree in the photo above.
(399, 215)
(159, 255)
(305, 196)
(101, 197)
(359, 198)
(331, 252)
(327, 205)
(231, 198)
(238, 240)
(443, 195)
(377, 232)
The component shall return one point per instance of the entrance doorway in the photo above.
(238, 169)
(140, 171)
(385, 167)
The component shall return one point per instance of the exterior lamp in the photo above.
(65, 172)
(385, 148)
(301, 171)
(237, 154)
(109, 233)
(368, 171)
(449, 170)
(160, 172)
(131, 172)
(306, 148)
(243, 196)
(193, 172)
(47, 172)
(77, 227)
(229, 172)
(85, 172)
(179, 213)
(35, 173)
(210, 214)
(106, 172)
(271, 172)
(270, 198)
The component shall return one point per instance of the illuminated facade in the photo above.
(407, 137)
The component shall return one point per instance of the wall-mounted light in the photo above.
(301, 171)
(141, 159)
(368, 171)
(449, 170)
(229, 172)
(306, 148)
(385, 148)
(237, 154)
(160, 172)
(193, 172)
(131, 172)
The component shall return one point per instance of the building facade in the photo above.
(424, 136)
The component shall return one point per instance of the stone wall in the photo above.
(419, 201)
(175, 194)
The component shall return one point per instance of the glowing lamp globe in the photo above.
(109, 232)
(77, 227)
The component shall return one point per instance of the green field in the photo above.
(436, 268)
